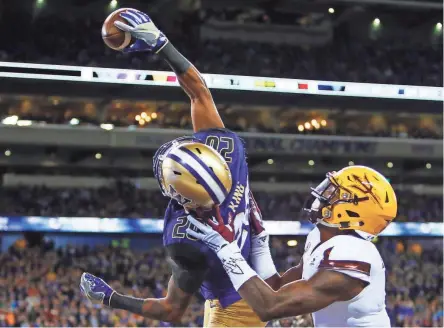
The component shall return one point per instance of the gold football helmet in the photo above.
(192, 173)
(357, 198)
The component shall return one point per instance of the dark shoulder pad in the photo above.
(187, 256)
(188, 266)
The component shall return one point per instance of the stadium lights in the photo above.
(292, 243)
(7, 152)
(107, 126)
(389, 165)
(428, 166)
(98, 156)
(24, 122)
(311, 162)
(113, 4)
(270, 161)
(315, 124)
(40, 3)
(438, 28)
(74, 121)
(10, 120)
(144, 118)
(331, 10)
(376, 22)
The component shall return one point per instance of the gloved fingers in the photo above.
(199, 225)
(218, 215)
(195, 234)
(124, 27)
(135, 17)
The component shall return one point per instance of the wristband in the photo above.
(235, 265)
(128, 303)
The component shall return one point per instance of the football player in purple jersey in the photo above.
(205, 173)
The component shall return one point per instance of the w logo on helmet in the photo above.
(175, 195)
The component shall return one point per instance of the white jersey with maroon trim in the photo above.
(357, 258)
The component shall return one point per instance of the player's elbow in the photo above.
(175, 315)
(265, 313)
(163, 310)
(269, 314)
(194, 85)
(175, 312)
(279, 310)
(199, 93)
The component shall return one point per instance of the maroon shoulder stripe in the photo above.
(358, 266)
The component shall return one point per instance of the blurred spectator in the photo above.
(76, 41)
(41, 285)
(125, 200)
(173, 115)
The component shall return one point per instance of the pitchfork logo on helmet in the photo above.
(357, 198)
(192, 173)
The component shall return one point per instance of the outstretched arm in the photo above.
(204, 113)
(188, 266)
(291, 275)
(300, 297)
(149, 38)
(170, 308)
(292, 299)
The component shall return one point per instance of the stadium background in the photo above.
(77, 191)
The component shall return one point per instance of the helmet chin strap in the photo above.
(330, 225)
(365, 235)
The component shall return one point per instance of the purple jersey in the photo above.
(217, 285)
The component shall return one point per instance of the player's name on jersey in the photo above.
(218, 81)
(148, 225)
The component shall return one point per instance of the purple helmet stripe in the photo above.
(196, 175)
(205, 166)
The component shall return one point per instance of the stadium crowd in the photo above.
(40, 285)
(77, 41)
(170, 115)
(126, 200)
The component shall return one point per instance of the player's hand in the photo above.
(141, 27)
(95, 289)
(214, 233)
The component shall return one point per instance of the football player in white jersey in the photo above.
(341, 277)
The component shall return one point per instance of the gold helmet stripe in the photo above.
(202, 175)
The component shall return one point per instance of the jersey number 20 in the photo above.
(179, 230)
